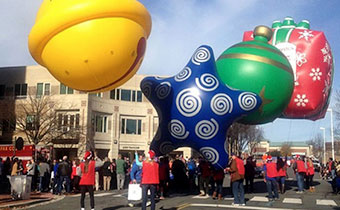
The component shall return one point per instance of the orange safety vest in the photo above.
(301, 166)
(271, 170)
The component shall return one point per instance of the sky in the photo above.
(179, 27)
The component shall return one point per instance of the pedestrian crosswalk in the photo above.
(299, 201)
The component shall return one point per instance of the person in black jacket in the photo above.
(107, 171)
(64, 171)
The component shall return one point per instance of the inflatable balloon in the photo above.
(195, 108)
(261, 68)
(91, 46)
(311, 58)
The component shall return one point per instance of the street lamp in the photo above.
(332, 134)
(324, 145)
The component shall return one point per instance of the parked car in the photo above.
(316, 165)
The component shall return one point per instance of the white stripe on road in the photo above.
(200, 197)
(102, 194)
(292, 200)
(259, 198)
(325, 202)
(234, 207)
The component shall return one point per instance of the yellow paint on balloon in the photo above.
(90, 45)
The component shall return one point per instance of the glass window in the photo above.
(2, 91)
(113, 94)
(71, 122)
(40, 89)
(133, 95)
(118, 94)
(47, 89)
(101, 123)
(77, 121)
(60, 121)
(20, 90)
(30, 122)
(69, 90)
(62, 89)
(126, 95)
(131, 126)
(139, 96)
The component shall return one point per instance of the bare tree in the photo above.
(286, 149)
(317, 143)
(336, 110)
(40, 119)
(241, 136)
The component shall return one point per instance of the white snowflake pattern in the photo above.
(306, 35)
(316, 74)
(300, 58)
(326, 54)
(301, 100)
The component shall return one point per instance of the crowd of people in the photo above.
(166, 175)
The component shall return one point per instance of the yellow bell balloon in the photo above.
(88, 45)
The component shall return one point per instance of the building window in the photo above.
(113, 94)
(30, 121)
(7, 125)
(43, 89)
(67, 122)
(2, 91)
(20, 90)
(47, 89)
(131, 126)
(133, 95)
(126, 95)
(139, 96)
(101, 123)
(65, 90)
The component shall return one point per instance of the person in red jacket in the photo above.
(150, 179)
(300, 170)
(309, 175)
(282, 173)
(88, 177)
(237, 172)
(271, 174)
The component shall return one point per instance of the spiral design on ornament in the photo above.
(207, 82)
(183, 75)
(206, 129)
(201, 55)
(221, 104)
(210, 154)
(166, 147)
(163, 90)
(247, 101)
(188, 103)
(177, 129)
(147, 88)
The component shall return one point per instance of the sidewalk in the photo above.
(6, 201)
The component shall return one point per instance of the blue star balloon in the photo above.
(196, 108)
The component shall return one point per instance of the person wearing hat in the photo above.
(88, 177)
(237, 172)
(271, 174)
(300, 170)
(150, 179)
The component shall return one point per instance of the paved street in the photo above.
(112, 200)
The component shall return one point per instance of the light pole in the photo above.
(324, 145)
(332, 134)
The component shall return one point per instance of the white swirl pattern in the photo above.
(221, 104)
(206, 129)
(201, 55)
(166, 147)
(163, 90)
(187, 103)
(177, 129)
(147, 88)
(207, 82)
(247, 101)
(210, 154)
(183, 75)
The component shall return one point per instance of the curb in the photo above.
(31, 204)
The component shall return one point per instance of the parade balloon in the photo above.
(91, 46)
(261, 68)
(311, 59)
(195, 108)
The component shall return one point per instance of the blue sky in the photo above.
(179, 27)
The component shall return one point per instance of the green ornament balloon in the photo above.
(261, 68)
